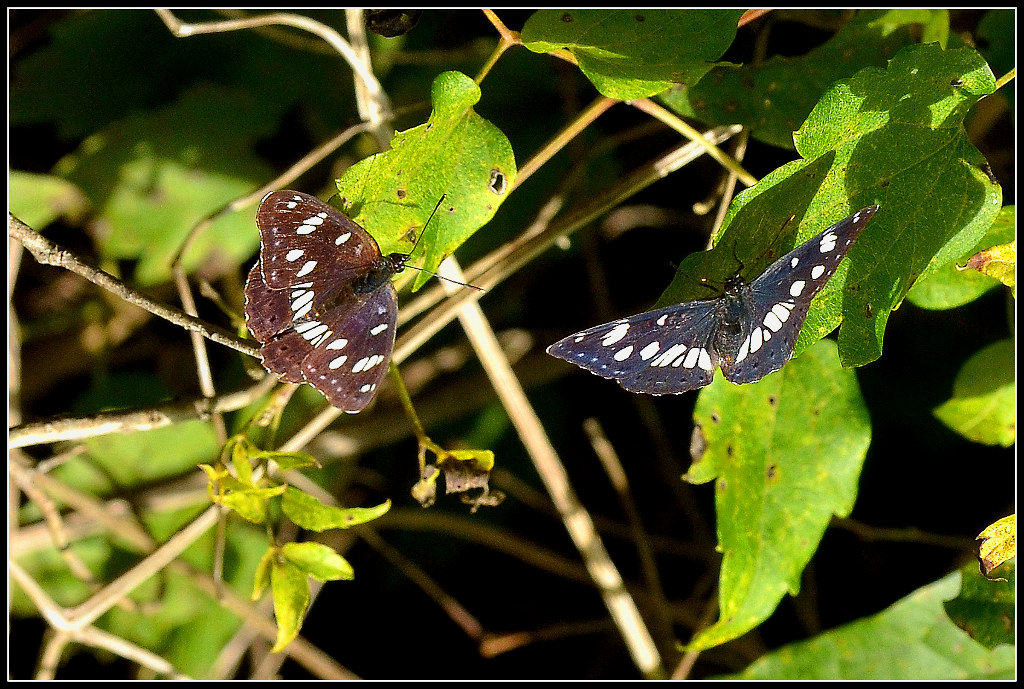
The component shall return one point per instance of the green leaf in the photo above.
(291, 598)
(893, 137)
(913, 639)
(456, 154)
(141, 458)
(241, 449)
(249, 507)
(287, 460)
(251, 503)
(772, 98)
(952, 285)
(261, 577)
(635, 53)
(985, 608)
(984, 403)
(786, 453)
(153, 176)
(309, 513)
(318, 561)
(38, 200)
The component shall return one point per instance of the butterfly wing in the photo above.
(344, 353)
(302, 239)
(665, 351)
(777, 301)
(351, 356)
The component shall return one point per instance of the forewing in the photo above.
(664, 351)
(303, 239)
(778, 300)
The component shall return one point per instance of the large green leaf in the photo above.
(893, 137)
(786, 453)
(984, 403)
(456, 154)
(634, 53)
(986, 608)
(952, 285)
(38, 200)
(772, 98)
(913, 639)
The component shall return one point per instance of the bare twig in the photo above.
(130, 421)
(328, 34)
(51, 254)
(609, 459)
(574, 516)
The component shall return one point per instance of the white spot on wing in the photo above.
(755, 340)
(623, 353)
(772, 321)
(797, 288)
(817, 272)
(615, 334)
(314, 333)
(744, 348)
(650, 350)
(306, 269)
(691, 357)
(782, 310)
(294, 255)
(304, 300)
(303, 327)
(669, 355)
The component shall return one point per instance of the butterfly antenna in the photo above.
(423, 229)
(420, 237)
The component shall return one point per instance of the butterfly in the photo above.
(749, 331)
(320, 299)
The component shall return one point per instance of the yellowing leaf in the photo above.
(998, 543)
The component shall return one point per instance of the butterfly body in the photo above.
(320, 300)
(749, 331)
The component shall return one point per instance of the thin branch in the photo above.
(677, 123)
(51, 254)
(144, 419)
(549, 466)
(333, 38)
(609, 458)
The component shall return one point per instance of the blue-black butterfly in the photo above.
(749, 331)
